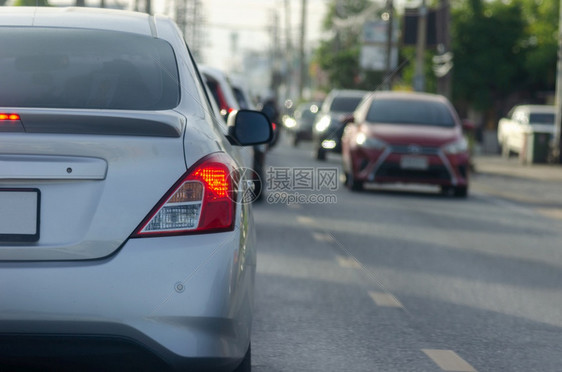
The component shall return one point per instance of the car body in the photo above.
(329, 123)
(406, 137)
(231, 93)
(301, 123)
(521, 121)
(123, 241)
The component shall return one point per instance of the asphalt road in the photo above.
(404, 279)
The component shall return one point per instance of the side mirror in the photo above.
(248, 127)
(468, 125)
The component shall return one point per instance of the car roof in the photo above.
(80, 17)
(348, 92)
(421, 96)
(538, 108)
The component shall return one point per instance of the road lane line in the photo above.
(448, 360)
(305, 220)
(385, 299)
(348, 262)
(555, 213)
(322, 237)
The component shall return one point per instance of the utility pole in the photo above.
(302, 55)
(444, 47)
(389, 41)
(557, 140)
(288, 51)
(419, 78)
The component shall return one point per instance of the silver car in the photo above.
(124, 241)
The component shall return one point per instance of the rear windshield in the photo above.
(541, 118)
(91, 69)
(410, 112)
(241, 98)
(345, 104)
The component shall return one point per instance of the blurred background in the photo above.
(485, 56)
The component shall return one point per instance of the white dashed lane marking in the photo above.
(348, 262)
(305, 220)
(322, 237)
(448, 360)
(385, 299)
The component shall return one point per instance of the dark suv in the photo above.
(328, 126)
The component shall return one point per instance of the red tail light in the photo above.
(5, 116)
(202, 201)
(274, 126)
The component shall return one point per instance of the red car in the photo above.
(406, 137)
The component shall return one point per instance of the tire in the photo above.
(461, 191)
(353, 184)
(246, 364)
(446, 190)
(320, 154)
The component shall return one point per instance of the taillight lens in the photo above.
(6, 116)
(202, 201)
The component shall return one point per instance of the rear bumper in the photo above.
(386, 167)
(170, 302)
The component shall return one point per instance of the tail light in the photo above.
(202, 201)
(5, 116)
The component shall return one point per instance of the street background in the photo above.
(407, 279)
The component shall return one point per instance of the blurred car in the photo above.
(301, 123)
(329, 126)
(124, 243)
(231, 93)
(405, 137)
(523, 120)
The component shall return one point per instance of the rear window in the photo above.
(241, 98)
(89, 69)
(541, 118)
(345, 104)
(415, 112)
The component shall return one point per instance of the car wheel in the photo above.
(246, 365)
(320, 154)
(461, 191)
(445, 190)
(352, 183)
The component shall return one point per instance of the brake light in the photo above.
(274, 126)
(5, 116)
(202, 201)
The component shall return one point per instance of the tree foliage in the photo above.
(489, 60)
(31, 3)
(504, 50)
(339, 55)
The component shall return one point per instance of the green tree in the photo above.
(31, 3)
(338, 56)
(540, 43)
(489, 60)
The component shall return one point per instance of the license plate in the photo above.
(414, 162)
(19, 215)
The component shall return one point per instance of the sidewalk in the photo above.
(536, 186)
(497, 165)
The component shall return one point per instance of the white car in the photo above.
(521, 121)
(124, 243)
